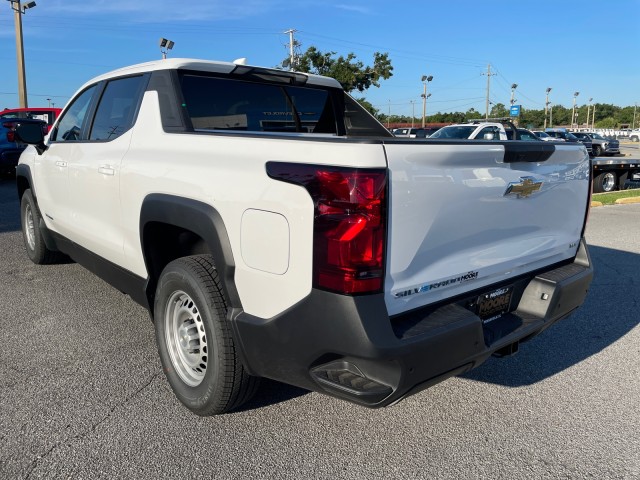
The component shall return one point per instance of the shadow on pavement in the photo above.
(271, 392)
(10, 211)
(611, 310)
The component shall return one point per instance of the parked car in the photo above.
(47, 115)
(523, 134)
(634, 135)
(601, 145)
(413, 132)
(545, 137)
(570, 137)
(10, 148)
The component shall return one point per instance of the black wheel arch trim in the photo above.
(24, 180)
(201, 219)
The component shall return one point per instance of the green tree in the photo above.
(608, 122)
(349, 71)
(498, 110)
(369, 107)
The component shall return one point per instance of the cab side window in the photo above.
(70, 124)
(117, 108)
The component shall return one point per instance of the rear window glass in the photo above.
(226, 104)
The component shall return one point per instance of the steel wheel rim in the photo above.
(29, 227)
(608, 182)
(186, 339)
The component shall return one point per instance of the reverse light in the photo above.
(349, 228)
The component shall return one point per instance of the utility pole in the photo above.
(292, 58)
(18, 11)
(588, 109)
(546, 107)
(389, 116)
(593, 117)
(634, 116)
(489, 75)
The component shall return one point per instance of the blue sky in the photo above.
(588, 46)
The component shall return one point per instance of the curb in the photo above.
(627, 200)
(596, 204)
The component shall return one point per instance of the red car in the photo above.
(49, 115)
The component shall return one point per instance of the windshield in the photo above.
(455, 131)
(572, 137)
(597, 136)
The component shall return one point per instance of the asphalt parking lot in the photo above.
(82, 393)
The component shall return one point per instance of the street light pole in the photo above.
(634, 116)
(588, 108)
(413, 113)
(573, 113)
(425, 79)
(546, 107)
(18, 11)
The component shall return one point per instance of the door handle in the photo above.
(60, 163)
(106, 170)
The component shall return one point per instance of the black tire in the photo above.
(194, 339)
(597, 150)
(605, 182)
(37, 250)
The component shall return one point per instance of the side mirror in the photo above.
(489, 136)
(32, 134)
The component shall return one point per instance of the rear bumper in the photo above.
(348, 347)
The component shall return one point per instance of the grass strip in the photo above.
(610, 198)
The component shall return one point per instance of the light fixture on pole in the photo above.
(425, 79)
(19, 9)
(513, 92)
(588, 109)
(573, 113)
(546, 107)
(165, 46)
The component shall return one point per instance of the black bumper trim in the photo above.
(356, 332)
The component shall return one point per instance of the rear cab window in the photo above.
(273, 105)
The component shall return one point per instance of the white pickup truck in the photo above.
(473, 130)
(273, 228)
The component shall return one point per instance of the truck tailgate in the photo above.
(461, 217)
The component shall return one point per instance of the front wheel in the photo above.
(605, 182)
(597, 150)
(194, 339)
(34, 243)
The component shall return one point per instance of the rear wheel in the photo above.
(32, 235)
(194, 339)
(605, 182)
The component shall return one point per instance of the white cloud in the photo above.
(356, 8)
(143, 11)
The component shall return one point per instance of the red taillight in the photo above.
(11, 134)
(349, 224)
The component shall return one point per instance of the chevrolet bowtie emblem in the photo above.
(524, 188)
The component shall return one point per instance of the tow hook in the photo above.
(507, 351)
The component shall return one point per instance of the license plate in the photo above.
(494, 304)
